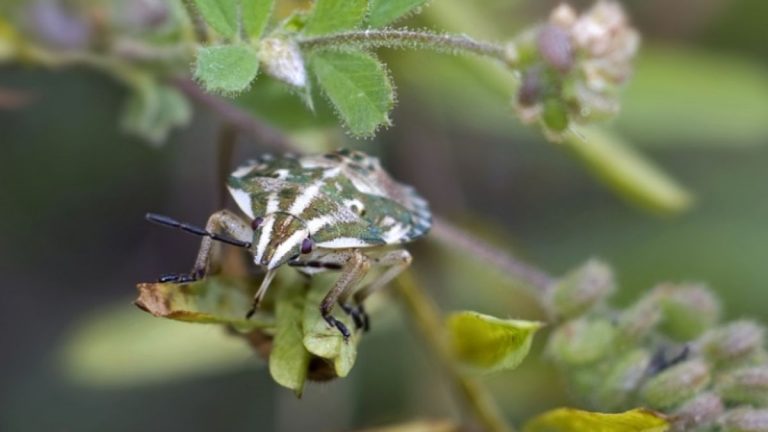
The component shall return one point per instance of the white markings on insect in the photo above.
(266, 234)
(344, 242)
(305, 198)
(273, 203)
(242, 171)
(395, 234)
(282, 174)
(286, 246)
(243, 200)
(355, 205)
(315, 224)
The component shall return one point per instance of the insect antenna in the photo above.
(193, 229)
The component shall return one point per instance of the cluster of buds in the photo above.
(667, 352)
(573, 66)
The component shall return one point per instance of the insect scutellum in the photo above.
(338, 211)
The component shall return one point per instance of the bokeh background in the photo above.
(77, 355)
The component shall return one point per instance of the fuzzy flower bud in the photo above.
(582, 289)
(640, 319)
(282, 60)
(615, 389)
(745, 420)
(748, 385)
(688, 310)
(581, 342)
(701, 411)
(676, 385)
(586, 57)
(732, 343)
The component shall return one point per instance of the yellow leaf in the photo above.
(573, 420)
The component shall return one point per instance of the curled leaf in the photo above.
(488, 344)
(573, 420)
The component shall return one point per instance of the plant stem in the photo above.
(406, 39)
(427, 319)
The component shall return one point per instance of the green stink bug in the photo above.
(338, 211)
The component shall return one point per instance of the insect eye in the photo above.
(256, 222)
(307, 245)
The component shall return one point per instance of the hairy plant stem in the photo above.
(406, 39)
(427, 319)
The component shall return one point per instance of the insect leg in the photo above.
(354, 266)
(221, 222)
(397, 261)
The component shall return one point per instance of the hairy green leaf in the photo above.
(289, 360)
(358, 87)
(211, 300)
(153, 110)
(329, 16)
(324, 341)
(256, 15)
(117, 345)
(573, 420)
(488, 344)
(220, 14)
(383, 12)
(226, 68)
(627, 172)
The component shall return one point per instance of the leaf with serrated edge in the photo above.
(358, 86)
(226, 68)
(211, 300)
(256, 15)
(573, 420)
(220, 14)
(322, 340)
(289, 360)
(329, 16)
(383, 12)
(485, 343)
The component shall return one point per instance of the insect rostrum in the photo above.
(338, 211)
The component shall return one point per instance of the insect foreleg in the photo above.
(354, 266)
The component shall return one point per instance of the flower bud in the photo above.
(640, 319)
(747, 385)
(732, 343)
(554, 45)
(581, 341)
(745, 420)
(282, 60)
(701, 411)
(687, 310)
(676, 385)
(581, 289)
(614, 389)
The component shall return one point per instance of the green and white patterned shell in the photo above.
(343, 199)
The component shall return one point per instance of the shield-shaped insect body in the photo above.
(338, 211)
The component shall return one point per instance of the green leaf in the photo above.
(256, 15)
(573, 420)
(358, 87)
(383, 12)
(220, 14)
(211, 300)
(490, 344)
(677, 96)
(153, 110)
(226, 68)
(289, 360)
(323, 340)
(627, 172)
(329, 16)
(118, 345)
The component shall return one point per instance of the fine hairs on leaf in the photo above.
(226, 69)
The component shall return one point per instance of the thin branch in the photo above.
(427, 319)
(413, 39)
(236, 117)
(483, 251)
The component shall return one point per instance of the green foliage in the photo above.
(572, 420)
(383, 12)
(221, 15)
(256, 15)
(153, 110)
(329, 16)
(289, 360)
(358, 86)
(226, 68)
(489, 344)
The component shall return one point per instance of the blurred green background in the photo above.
(77, 355)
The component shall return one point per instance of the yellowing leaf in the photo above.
(289, 360)
(573, 420)
(488, 344)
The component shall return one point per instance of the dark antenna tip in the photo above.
(192, 229)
